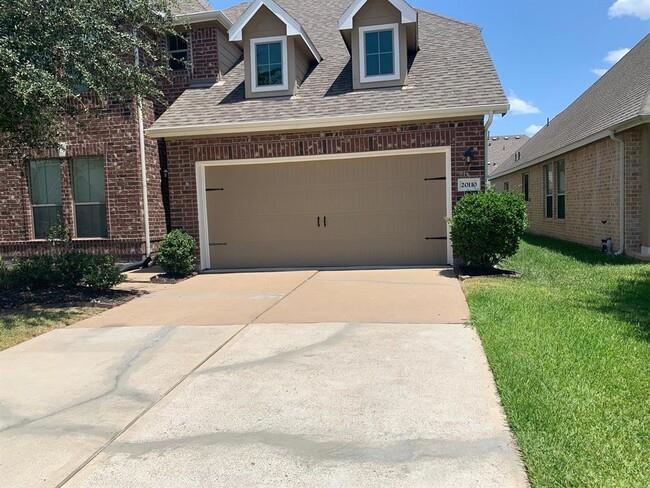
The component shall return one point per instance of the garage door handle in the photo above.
(318, 221)
(325, 221)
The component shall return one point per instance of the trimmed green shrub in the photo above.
(100, 273)
(35, 273)
(487, 227)
(72, 266)
(176, 254)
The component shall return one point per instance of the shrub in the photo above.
(176, 254)
(100, 273)
(487, 227)
(4, 275)
(72, 266)
(34, 273)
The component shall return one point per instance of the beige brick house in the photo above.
(586, 175)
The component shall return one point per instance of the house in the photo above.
(586, 175)
(501, 148)
(305, 133)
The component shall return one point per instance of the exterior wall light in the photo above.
(470, 153)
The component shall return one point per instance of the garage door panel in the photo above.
(379, 211)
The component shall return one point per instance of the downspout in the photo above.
(621, 196)
(488, 124)
(143, 168)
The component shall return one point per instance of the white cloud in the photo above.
(519, 106)
(599, 71)
(634, 8)
(615, 56)
(533, 129)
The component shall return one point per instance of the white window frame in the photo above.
(285, 62)
(362, 53)
(186, 37)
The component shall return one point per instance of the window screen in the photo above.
(548, 191)
(45, 186)
(561, 190)
(89, 197)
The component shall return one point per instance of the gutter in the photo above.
(206, 16)
(634, 122)
(143, 169)
(621, 196)
(322, 122)
(488, 124)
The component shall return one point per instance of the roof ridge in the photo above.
(445, 17)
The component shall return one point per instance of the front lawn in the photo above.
(569, 345)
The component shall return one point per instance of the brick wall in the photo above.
(112, 132)
(182, 154)
(592, 193)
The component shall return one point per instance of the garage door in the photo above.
(379, 211)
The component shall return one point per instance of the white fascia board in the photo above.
(576, 145)
(207, 16)
(235, 33)
(409, 14)
(321, 122)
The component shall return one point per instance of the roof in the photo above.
(619, 98)
(181, 7)
(452, 74)
(409, 14)
(500, 148)
(293, 26)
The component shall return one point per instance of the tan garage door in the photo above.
(354, 212)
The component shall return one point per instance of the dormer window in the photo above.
(378, 53)
(269, 64)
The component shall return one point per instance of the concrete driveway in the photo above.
(314, 379)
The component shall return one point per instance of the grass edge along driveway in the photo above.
(569, 345)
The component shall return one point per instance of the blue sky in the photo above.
(547, 52)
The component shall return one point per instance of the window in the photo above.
(548, 191)
(561, 189)
(178, 52)
(524, 187)
(89, 197)
(379, 53)
(506, 186)
(269, 65)
(45, 186)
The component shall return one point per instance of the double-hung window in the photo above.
(548, 191)
(89, 197)
(178, 52)
(379, 53)
(269, 64)
(45, 186)
(506, 186)
(561, 189)
(524, 187)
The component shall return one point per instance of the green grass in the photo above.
(17, 326)
(569, 345)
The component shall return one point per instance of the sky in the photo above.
(547, 52)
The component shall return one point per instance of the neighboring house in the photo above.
(306, 133)
(586, 175)
(501, 148)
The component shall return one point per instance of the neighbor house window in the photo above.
(89, 197)
(379, 53)
(178, 52)
(269, 64)
(548, 191)
(561, 189)
(524, 187)
(506, 186)
(45, 187)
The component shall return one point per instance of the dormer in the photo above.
(278, 53)
(380, 35)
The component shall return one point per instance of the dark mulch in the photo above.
(167, 279)
(58, 297)
(464, 272)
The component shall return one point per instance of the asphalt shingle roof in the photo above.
(180, 7)
(453, 69)
(619, 96)
(500, 148)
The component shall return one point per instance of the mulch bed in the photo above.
(466, 272)
(56, 297)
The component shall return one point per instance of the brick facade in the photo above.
(183, 154)
(592, 193)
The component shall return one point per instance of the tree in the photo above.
(62, 58)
